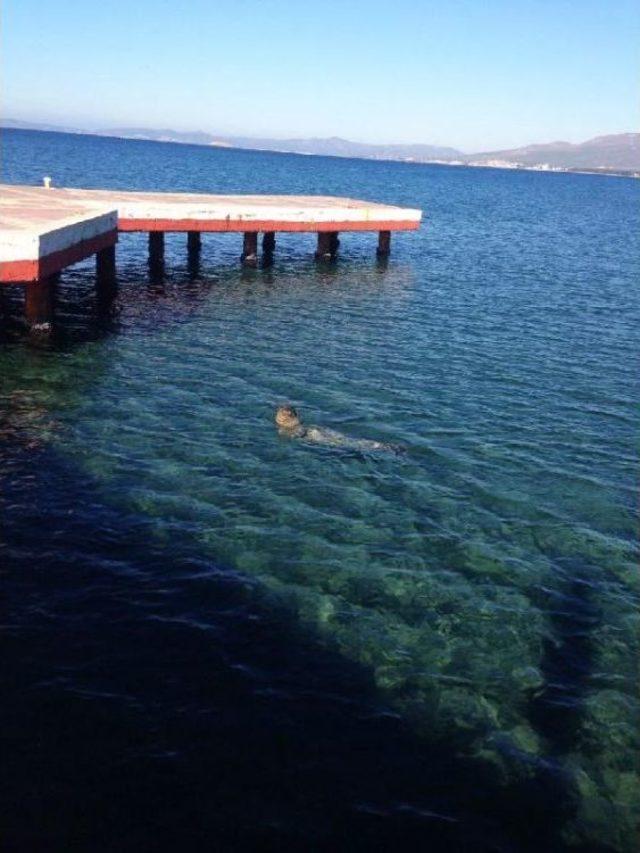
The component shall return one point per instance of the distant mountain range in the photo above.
(618, 153)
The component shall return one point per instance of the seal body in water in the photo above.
(290, 424)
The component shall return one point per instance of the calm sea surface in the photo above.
(217, 638)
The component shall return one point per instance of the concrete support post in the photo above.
(194, 242)
(106, 266)
(156, 247)
(268, 247)
(39, 304)
(156, 256)
(249, 255)
(384, 244)
(194, 247)
(328, 244)
(106, 281)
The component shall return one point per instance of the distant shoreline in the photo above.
(505, 165)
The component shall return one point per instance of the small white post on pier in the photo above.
(47, 182)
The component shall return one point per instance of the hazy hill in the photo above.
(15, 124)
(334, 145)
(618, 152)
(194, 137)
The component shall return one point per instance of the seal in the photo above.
(290, 424)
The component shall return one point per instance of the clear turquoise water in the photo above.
(480, 589)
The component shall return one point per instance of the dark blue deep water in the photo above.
(217, 638)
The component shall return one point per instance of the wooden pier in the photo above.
(43, 230)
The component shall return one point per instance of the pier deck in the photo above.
(45, 229)
(40, 235)
(154, 211)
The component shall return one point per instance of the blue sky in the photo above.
(472, 74)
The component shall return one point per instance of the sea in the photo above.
(217, 637)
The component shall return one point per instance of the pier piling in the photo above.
(106, 266)
(194, 248)
(249, 255)
(156, 256)
(384, 244)
(328, 244)
(194, 242)
(39, 302)
(156, 247)
(106, 280)
(268, 247)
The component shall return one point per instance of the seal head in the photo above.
(288, 418)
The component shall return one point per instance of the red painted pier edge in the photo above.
(241, 225)
(13, 272)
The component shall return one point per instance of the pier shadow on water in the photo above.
(154, 701)
(557, 712)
